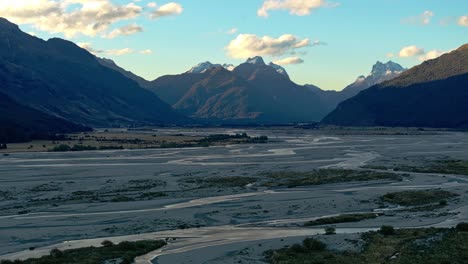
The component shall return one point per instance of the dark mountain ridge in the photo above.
(61, 79)
(433, 94)
(21, 123)
(252, 92)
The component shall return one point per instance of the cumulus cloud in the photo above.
(288, 61)
(463, 21)
(410, 51)
(249, 45)
(431, 55)
(423, 19)
(70, 17)
(169, 9)
(420, 53)
(125, 31)
(295, 7)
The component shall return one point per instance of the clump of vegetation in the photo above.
(325, 176)
(66, 148)
(375, 167)
(404, 246)
(240, 138)
(345, 218)
(463, 227)
(223, 137)
(424, 208)
(330, 231)
(311, 244)
(107, 243)
(417, 197)
(441, 166)
(387, 230)
(221, 182)
(126, 252)
(122, 198)
(152, 195)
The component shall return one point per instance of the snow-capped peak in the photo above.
(361, 78)
(389, 68)
(228, 67)
(278, 69)
(256, 60)
(202, 67)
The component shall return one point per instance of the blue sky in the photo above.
(351, 34)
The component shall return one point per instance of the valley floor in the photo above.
(218, 204)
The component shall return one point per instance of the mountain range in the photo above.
(433, 94)
(253, 92)
(54, 86)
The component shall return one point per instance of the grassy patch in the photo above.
(121, 198)
(410, 246)
(324, 176)
(442, 166)
(125, 251)
(221, 182)
(345, 218)
(152, 195)
(417, 197)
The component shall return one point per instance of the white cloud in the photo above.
(295, 7)
(463, 21)
(125, 31)
(112, 52)
(169, 9)
(288, 61)
(410, 51)
(423, 19)
(431, 55)
(87, 46)
(152, 4)
(420, 53)
(146, 52)
(70, 17)
(119, 52)
(248, 45)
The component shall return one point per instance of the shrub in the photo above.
(56, 253)
(61, 148)
(107, 243)
(463, 227)
(387, 230)
(330, 231)
(313, 244)
(298, 248)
